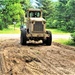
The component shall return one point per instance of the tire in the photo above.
(49, 39)
(44, 41)
(23, 37)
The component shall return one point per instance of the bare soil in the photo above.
(36, 58)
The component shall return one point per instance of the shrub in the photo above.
(1, 24)
(73, 36)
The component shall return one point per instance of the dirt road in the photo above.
(36, 59)
(17, 36)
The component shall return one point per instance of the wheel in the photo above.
(44, 41)
(23, 37)
(49, 39)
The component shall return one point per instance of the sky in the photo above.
(55, 0)
(33, 2)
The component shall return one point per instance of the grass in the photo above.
(10, 30)
(57, 31)
(65, 42)
(61, 40)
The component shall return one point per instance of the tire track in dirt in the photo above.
(63, 72)
(38, 59)
(66, 55)
(48, 65)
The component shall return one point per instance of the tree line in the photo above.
(12, 11)
(59, 14)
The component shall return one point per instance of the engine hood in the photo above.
(37, 19)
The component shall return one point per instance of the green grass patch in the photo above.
(10, 30)
(57, 31)
(65, 42)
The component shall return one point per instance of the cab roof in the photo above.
(34, 9)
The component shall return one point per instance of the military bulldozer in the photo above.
(35, 28)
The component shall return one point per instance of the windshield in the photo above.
(34, 14)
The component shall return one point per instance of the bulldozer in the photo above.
(35, 28)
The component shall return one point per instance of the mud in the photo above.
(36, 58)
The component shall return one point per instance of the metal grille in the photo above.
(38, 26)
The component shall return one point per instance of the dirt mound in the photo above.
(36, 59)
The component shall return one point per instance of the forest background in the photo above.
(58, 14)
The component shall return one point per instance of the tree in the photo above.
(25, 4)
(47, 8)
(59, 15)
(48, 11)
(70, 12)
(1, 15)
(12, 11)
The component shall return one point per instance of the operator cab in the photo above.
(34, 14)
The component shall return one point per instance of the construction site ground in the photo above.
(35, 58)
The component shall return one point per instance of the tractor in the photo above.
(35, 28)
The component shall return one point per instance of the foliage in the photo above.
(65, 15)
(12, 11)
(1, 24)
(47, 8)
(73, 36)
(25, 4)
(65, 42)
(60, 14)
